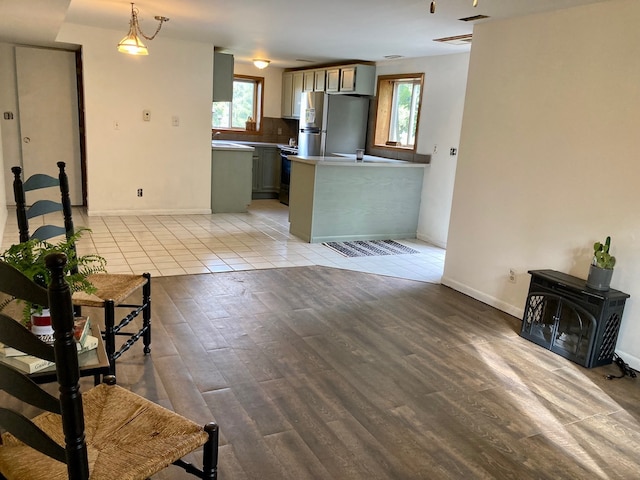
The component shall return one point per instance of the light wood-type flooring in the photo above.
(321, 373)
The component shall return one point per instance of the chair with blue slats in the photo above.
(113, 290)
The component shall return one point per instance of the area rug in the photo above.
(368, 248)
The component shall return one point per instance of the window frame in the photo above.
(258, 107)
(385, 96)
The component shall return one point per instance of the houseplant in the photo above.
(601, 268)
(29, 258)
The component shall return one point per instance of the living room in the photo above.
(546, 145)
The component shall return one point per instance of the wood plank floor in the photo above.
(320, 373)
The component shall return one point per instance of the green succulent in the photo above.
(601, 256)
(28, 257)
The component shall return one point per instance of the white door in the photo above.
(48, 111)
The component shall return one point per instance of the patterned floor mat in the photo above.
(368, 248)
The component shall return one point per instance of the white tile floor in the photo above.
(186, 244)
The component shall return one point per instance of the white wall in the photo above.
(171, 164)
(440, 119)
(3, 203)
(272, 86)
(548, 156)
(11, 146)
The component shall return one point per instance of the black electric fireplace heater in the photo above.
(565, 316)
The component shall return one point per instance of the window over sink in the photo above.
(398, 111)
(244, 112)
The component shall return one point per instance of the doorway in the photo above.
(49, 114)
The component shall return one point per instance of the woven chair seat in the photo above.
(109, 286)
(128, 437)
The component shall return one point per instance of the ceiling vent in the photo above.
(474, 18)
(457, 40)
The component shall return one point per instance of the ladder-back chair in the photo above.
(112, 290)
(107, 432)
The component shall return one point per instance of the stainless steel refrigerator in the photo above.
(332, 123)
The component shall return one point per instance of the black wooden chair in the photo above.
(113, 290)
(74, 438)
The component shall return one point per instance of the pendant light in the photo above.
(132, 44)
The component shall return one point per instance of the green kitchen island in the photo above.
(336, 199)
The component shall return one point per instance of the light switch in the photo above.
(146, 115)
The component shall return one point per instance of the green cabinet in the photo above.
(266, 173)
(355, 79)
(222, 77)
(352, 79)
(230, 179)
(292, 85)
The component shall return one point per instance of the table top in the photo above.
(93, 362)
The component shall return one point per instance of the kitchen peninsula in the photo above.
(231, 177)
(335, 198)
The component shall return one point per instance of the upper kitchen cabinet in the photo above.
(292, 84)
(352, 79)
(319, 80)
(308, 81)
(222, 77)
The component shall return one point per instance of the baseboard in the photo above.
(484, 298)
(428, 239)
(124, 213)
(354, 238)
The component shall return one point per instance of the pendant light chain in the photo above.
(134, 16)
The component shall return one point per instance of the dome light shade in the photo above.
(261, 64)
(132, 44)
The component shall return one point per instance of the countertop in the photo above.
(229, 145)
(349, 159)
(245, 143)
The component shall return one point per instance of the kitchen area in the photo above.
(318, 164)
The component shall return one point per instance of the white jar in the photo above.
(41, 326)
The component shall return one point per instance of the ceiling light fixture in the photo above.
(432, 8)
(261, 64)
(132, 44)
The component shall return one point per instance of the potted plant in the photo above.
(29, 258)
(601, 268)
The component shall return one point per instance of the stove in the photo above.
(285, 171)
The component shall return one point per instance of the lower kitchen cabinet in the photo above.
(266, 173)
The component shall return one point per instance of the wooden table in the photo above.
(92, 363)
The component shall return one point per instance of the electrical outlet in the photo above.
(175, 121)
(116, 125)
(139, 192)
(453, 151)
(146, 115)
(279, 131)
(512, 275)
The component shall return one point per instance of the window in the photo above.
(398, 111)
(245, 108)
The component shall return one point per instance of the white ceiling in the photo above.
(284, 31)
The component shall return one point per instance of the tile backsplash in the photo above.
(268, 132)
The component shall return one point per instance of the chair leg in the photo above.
(210, 452)
(146, 314)
(109, 335)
